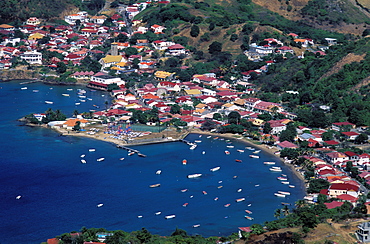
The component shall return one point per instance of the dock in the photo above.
(132, 150)
(186, 141)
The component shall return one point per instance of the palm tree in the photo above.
(277, 213)
(300, 203)
(286, 210)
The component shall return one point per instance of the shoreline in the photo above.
(106, 138)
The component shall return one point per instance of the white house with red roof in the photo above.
(157, 29)
(334, 157)
(337, 189)
(340, 125)
(176, 50)
(162, 45)
(286, 144)
(276, 126)
(251, 102)
(350, 135)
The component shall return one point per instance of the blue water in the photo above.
(59, 194)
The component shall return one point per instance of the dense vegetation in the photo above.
(16, 12)
(140, 236)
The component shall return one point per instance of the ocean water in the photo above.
(60, 194)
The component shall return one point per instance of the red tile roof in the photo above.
(334, 204)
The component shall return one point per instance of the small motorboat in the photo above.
(282, 178)
(100, 159)
(131, 153)
(240, 150)
(155, 185)
(83, 161)
(18, 197)
(279, 195)
(196, 226)
(239, 190)
(216, 198)
(230, 146)
(248, 211)
(284, 192)
(227, 152)
(219, 187)
(65, 94)
(139, 217)
(269, 163)
(254, 156)
(291, 186)
(215, 169)
(184, 190)
(185, 204)
(238, 160)
(170, 216)
(49, 102)
(122, 159)
(184, 162)
(257, 151)
(285, 182)
(92, 150)
(240, 199)
(100, 205)
(158, 213)
(248, 217)
(204, 192)
(204, 152)
(158, 172)
(194, 176)
(83, 155)
(227, 205)
(24, 88)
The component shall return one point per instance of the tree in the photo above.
(215, 48)
(233, 117)
(362, 138)
(175, 109)
(61, 67)
(217, 116)
(194, 31)
(77, 126)
(130, 51)
(316, 185)
(257, 229)
(308, 219)
(277, 213)
(267, 128)
(143, 235)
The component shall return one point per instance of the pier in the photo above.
(132, 150)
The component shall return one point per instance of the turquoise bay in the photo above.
(59, 194)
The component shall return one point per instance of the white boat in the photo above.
(284, 192)
(48, 102)
(227, 152)
(92, 150)
(69, 89)
(269, 163)
(215, 169)
(83, 155)
(170, 216)
(83, 161)
(77, 103)
(254, 156)
(158, 213)
(204, 152)
(279, 195)
(258, 151)
(140, 216)
(285, 182)
(240, 150)
(65, 94)
(24, 88)
(122, 159)
(194, 176)
(275, 169)
(282, 178)
(291, 186)
(196, 226)
(100, 159)
(250, 148)
(256, 185)
(90, 99)
(230, 146)
(158, 172)
(198, 141)
(239, 190)
(82, 96)
(155, 185)
(184, 190)
(130, 153)
(100, 205)
(82, 100)
(209, 137)
(240, 199)
(35, 90)
(248, 217)
(193, 146)
(18, 197)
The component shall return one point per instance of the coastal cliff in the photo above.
(18, 75)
